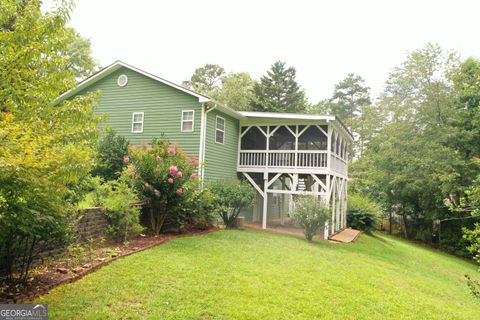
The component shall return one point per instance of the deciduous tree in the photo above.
(206, 79)
(45, 148)
(236, 91)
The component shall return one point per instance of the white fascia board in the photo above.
(294, 116)
(117, 65)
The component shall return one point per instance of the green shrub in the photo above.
(362, 213)
(117, 198)
(310, 214)
(230, 196)
(199, 209)
(473, 238)
(111, 150)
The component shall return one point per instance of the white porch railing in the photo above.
(252, 158)
(284, 158)
(338, 164)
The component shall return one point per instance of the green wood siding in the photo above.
(162, 106)
(221, 160)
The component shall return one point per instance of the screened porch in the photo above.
(292, 147)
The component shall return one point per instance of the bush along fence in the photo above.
(90, 226)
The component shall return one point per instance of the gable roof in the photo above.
(201, 98)
(117, 65)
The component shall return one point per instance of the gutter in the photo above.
(203, 136)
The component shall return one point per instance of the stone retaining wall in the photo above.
(92, 225)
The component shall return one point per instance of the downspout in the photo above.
(203, 138)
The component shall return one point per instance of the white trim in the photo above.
(136, 122)
(279, 115)
(182, 121)
(203, 138)
(122, 76)
(202, 142)
(254, 184)
(223, 131)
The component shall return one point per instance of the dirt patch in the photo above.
(44, 278)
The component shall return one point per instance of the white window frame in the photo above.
(192, 121)
(136, 122)
(216, 129)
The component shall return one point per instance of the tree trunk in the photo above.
(158, 213)
(405, 231)
(29, 261)
(390, 220)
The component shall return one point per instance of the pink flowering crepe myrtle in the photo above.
(173, 170)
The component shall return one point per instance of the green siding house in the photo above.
(280, 154)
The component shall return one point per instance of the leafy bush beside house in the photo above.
(362, 213)
(310, 214)
(197, 211)
(230, 197)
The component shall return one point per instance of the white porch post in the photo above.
(334, 203)
(345, 207)
(265, 200)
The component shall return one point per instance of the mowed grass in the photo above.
(258, 275)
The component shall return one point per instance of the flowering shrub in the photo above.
(162, 175)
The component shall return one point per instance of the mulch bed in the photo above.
(44, 278)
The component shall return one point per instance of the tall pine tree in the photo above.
(278, 91)
(349, 96)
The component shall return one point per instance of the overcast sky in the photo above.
(323, 40)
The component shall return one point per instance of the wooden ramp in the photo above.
(346, 235)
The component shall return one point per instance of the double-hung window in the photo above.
(220, 130)
(188, 117)
(137, 122)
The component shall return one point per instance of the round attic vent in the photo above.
(122, 80)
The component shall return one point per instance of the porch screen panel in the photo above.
(282, 139)
(312, 139)
(254, 139)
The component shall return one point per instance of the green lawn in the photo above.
(257, 275)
